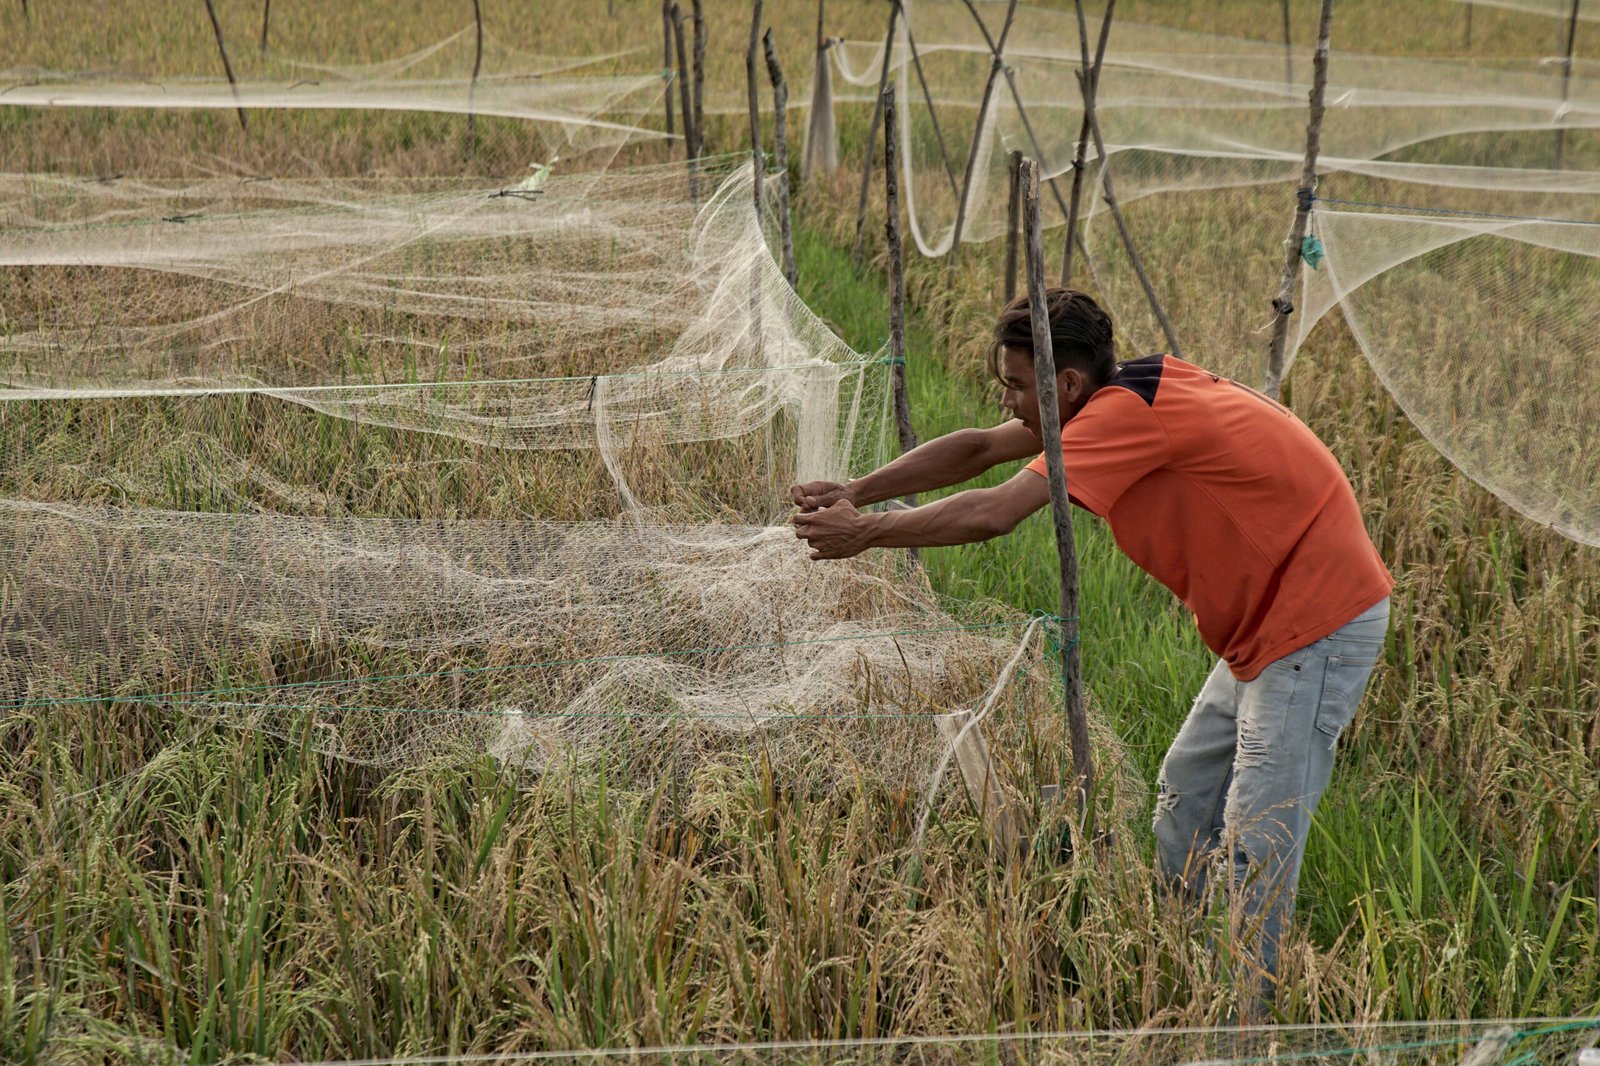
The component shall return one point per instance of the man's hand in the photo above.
(818, 495)
(837, 532)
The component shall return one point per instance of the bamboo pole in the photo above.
(227, 67)
(1044, 371)
(1106, 186)
(754, 95)
(872, 132)
(666, 59)
(1013, 218)
(1283, 303)
(997, 51)
(699, 78)
(1566, 87)
(1079, 159)
(780, 148)
(897, 283)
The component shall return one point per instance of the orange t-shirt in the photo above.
(1230, 501)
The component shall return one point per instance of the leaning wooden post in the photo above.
(897, 284)
(754, 92)
(666, 59)
(699, 78)
(477, 67)
(872, 131)
(1283, 303)
(780, 148)
(1013, 218)
(1288, 48)
(266, 16)
(1566, 87)
(1467, 43)
(933, 113)
(998, 51)
(1111, 193)
(691, 136)
(821, 151)
(227, 67)
(1044, 371)
(1091, 85)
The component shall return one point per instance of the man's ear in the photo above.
(1070, 384)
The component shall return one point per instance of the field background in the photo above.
(176, 891)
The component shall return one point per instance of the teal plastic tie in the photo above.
(1312, 252)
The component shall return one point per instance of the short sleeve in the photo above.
(1113, 442)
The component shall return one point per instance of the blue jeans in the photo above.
(1242, 780)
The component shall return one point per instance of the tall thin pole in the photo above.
(1566, 86)
(1013, 222)
(897, 283)
(699, 77)
(933, 112)
(1283, 304)
(691, 135)
(1044, 371)
(997, 65)
(1468, 41)
(872, 130)
(753, 86)
(227, 67)
(1091, 87)
(666, 59)
(1110, 191)
(821, 151)
(477, 67)
(1288, 48)
(266, 16)
(780, 148)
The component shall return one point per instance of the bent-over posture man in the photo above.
(1230, 501)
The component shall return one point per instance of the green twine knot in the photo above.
(1312, 252)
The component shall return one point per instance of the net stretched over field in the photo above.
(445, 470)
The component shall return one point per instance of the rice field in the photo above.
(176, 888)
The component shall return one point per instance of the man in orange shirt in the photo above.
(1230, 501)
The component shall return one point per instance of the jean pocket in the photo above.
(1343, 682)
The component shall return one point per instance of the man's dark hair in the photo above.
(1080, 334)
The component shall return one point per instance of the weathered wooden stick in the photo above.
(666, 58)
(997, 49)
(477, 66)
(1013, 218)
(1467, 43)
(933, 112)
(266, 15)
(872, 131)
(1566, 87)
(691, 136)
(780, 148)
(754, 95)
(699, 78)
(897, 283)
(1079, 159)
(1111, 196)
(821, 151)
(227, 67)
(1044, 371)
(1288, 48)
(1283, 303)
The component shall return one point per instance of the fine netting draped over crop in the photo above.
(396, 471)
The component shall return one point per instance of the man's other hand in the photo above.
(837, 532)
(817, 495)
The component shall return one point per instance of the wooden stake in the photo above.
(1288, 48)
(1013, 218)
(872, 131)
(997, 51)
(666, 58)
(266, 15)
(1079, 160)
(1044, 370)
(821, 151)
(477, 67)
(699, 78)
(1566, 87)
(1106, 186)
(754, 95)
(897, 283)
(780, 141)
(691, 136)
(933, 113)
(227, 67)
(1283, 303)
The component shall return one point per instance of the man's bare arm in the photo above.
(943, 461)
(841, 531)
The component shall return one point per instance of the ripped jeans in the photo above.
(1242, 779)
